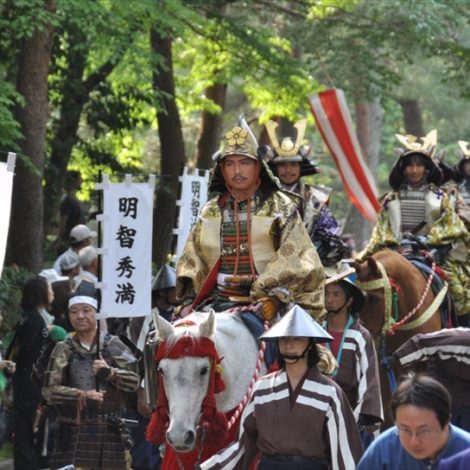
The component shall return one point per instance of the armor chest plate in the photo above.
(81, 372)
(412, 207)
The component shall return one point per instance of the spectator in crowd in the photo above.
(88, 258)
(27, 343)
(422, 434)
(296, 418)
(70, 209)
(80, 236)
(70, 266)
(354, 349)
(59, 307)
(90, 392)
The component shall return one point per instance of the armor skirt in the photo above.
(96, 445)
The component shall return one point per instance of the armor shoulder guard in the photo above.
(451, 190)
(322, 193)
(287, 198)
(210, 208)
(387, 197)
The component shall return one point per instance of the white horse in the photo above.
(186, 379)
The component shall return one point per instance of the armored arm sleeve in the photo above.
(124, 367)
(54, 391)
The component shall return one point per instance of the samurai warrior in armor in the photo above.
(89, 391)
(249, 245)
(464, 171)
(419, 207)
(290, 162)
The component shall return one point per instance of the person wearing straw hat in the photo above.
(419, 207)
(89, 392)
(296, 417)
(291, 161)
(248, 246)
(354, 350)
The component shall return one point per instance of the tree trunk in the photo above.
(75, 92)
(211, 127)
(412, 118)
(26, 230)
(65, 129)
(172, 147)
(368, 126)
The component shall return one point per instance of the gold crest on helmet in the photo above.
(238, 141)
(424, 145)
(287, 150)
(464, 151)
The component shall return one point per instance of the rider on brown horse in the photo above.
(419, 207)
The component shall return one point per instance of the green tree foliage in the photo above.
(270, 54)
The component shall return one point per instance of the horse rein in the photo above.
(390, 324)
(240, 407)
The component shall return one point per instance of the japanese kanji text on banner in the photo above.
(193, 197)
(127, 248)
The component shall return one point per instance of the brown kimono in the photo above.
(319, 424)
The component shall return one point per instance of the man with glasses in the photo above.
(422, 434)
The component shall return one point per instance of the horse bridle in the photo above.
(383, 282)
(391, 324)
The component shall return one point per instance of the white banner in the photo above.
(193, 197)
(6, 187)
(126, 248)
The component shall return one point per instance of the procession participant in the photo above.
(445, 355)
(163, 300)
(296, 417)
(354, 349)
(92, 431)
(422, 434)
(461, 184)
(418, 206)
(249, 245)
(141, 329)
(463, 169)
(289, 162)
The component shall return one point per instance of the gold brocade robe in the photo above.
(283, 254)
(443, 227)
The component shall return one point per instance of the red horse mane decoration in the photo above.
(213, 422)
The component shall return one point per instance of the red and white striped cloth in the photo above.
(334, 122)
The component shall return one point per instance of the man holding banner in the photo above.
(249, 246)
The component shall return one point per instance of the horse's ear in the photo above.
(207, 327)
(163, 328)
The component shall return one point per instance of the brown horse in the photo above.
(399, 303)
